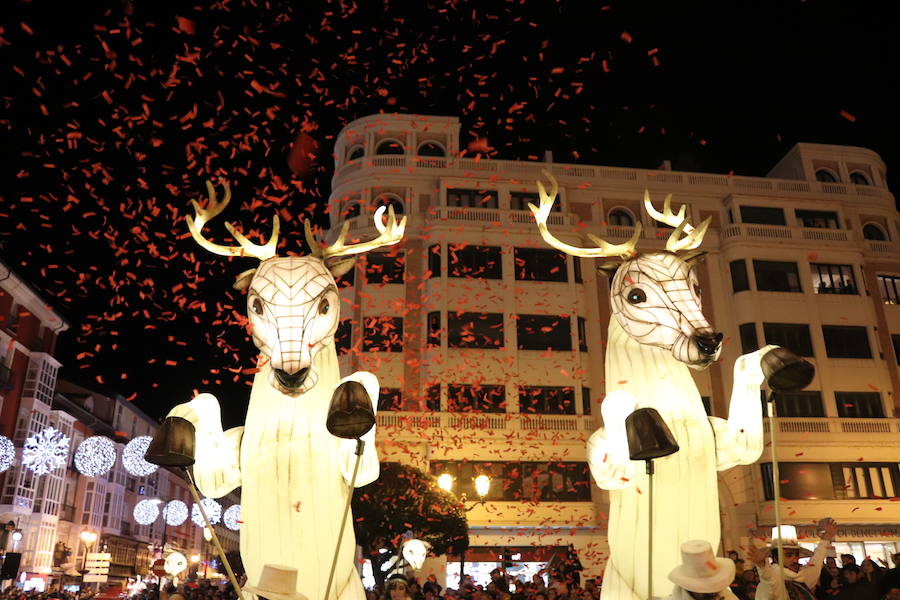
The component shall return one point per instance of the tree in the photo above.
(405, 500)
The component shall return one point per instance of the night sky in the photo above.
(113, 115)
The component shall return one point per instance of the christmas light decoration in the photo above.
(213, 511)
(175, 513)
(232, 517)
(175, 563)
(133, 457)
(146, 511)
(95, 456)
(45, 451)
(7, 453)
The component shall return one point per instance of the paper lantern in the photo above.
(175, 513)
(45, 451)
(7, 453)
(95, 456)
(232, 517)
(133, 457)
(175, 563)
(213, 511)
(146, 511)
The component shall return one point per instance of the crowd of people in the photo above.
(15, 593)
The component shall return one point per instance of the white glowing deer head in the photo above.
(292, 302)
(655, 296)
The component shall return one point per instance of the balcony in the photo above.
(782, 234)
(530, 424)
(823, 430)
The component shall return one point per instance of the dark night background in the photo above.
(112, 116)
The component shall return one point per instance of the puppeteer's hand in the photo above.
(758, 555)
(616, 406)
(828, 528)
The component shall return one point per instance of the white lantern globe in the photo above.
(45, 451)
(175, 513)
(232, 517)
(146, 511)
(7, 453)
(213, 511)
(95, 456)
(133, 457)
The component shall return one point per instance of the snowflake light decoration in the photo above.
(175, 513)
(232, 517)
(213, 511)
(146, 511)
(133, 457)
(7, 453)
(45, 451)
(95, 456)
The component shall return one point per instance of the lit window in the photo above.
(833, 279)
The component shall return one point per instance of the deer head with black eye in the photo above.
(655, 296)
(292, 302)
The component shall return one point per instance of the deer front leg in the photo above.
(369, 468)
(607, 448)
(739, 440)
(217, 468)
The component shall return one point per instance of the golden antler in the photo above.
(390, 234)
(246, 248)
(603, 248)
(676, 243)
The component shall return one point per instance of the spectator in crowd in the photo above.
(854, 587)
(847, 559)
(891, 578)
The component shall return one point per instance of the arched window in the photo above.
(390, 147)
(356, 152)
(390, 200)
(352, 210)
(859, 178)
(874, 231)
(826, 176)
(619, 217)
(431, 149)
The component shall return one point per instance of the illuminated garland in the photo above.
(95, 456)
(232, 517)
(175, 513)
(7, 453)
(133, 457)
(213, 511)
(45, 451)
(146, 511)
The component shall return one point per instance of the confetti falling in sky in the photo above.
(112, 118)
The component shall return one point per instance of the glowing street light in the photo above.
(482, 486)
(195, 558)
(445, 482)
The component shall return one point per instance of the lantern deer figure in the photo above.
(294, 475)
(656, 334)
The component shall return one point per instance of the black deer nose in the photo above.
(291, 381)
(708, 344)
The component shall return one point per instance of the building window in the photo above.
(859, 405)
(543, 332)
(476, 398)
(846, 341)
(619, 217)
(859, 178)
(807, 403)
(390, 399)
(556, 482)
(793, 336)
(390, 147)
(520, 201)
(762, 215)
(865, 480)
(586, 400)
(476, 262)
(776, 276)
(740, 282)
(356, 152)
(833, 279)
(826, 176)
(352, 210)
(431, 149)
(890, 288)
(799, 481)
(895, 340)
(875, 232)
(383, 334)
(749, 341)
(539, 264)
(434, 329)
(818, 219)
(475, 330)
(582, 334)
(576, 269)
(434, 261)
(547, 400)
(388, 201)
(433, 398)
(472, 198)
(385, 267)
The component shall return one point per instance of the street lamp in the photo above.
(482, 488)
(87, 538)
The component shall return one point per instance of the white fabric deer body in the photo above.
(294, 475)
(656, 334)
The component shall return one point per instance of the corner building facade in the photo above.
(490, 346)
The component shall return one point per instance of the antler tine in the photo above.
(390, 235)
(667, 216)
(691, 240)
(603, 249)
(246, 248)
(315, 248)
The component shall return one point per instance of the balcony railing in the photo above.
(530, 171)
(486, 421)
(495, 216)
(813, 425)
(776, 233)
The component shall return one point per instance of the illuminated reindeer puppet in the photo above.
(656, 334)
(294, 475)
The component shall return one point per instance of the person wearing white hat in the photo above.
(799, 582)
(702, 575)
(277, 582)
